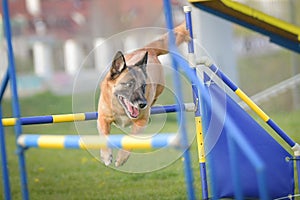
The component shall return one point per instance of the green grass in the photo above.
(75, 174)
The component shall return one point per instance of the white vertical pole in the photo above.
(33, 7)
(131, 43)
(102, 54)
(42, 57)
(73, 56)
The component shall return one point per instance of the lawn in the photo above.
(75, 174)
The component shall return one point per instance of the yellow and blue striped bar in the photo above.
(50, 119)
(252, 105)
(96, 142)
(46, 119)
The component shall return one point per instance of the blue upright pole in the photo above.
(4, 163)
(298, 170)
(3, 153)
(4, 84)
(198, 120)
(180, 116)
(15, 100)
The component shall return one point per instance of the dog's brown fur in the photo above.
(144, 67)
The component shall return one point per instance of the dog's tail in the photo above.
(160, 46)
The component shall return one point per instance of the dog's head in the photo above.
(130, 84)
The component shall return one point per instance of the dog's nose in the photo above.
(143, 105)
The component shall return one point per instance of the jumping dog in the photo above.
(130, 88)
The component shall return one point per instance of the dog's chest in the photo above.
(122, 120)
(119, 115)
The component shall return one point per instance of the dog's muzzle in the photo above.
(132, 110)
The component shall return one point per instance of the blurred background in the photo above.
(52, 38)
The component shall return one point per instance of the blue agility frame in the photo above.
(176, 62)
(196, 99)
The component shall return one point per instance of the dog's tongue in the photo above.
(134, 112)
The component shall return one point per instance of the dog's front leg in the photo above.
(105, 153)
(123, 154)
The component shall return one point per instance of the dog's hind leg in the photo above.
(105, 153)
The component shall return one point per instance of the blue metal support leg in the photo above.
(4, 163)
(198, 120)
(15, 100)
(180, 116)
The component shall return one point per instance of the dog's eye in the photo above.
(144, 87)
(129, 84)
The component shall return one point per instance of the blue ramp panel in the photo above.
(279, 172)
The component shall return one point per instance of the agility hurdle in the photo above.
(60, 118)
(97, 142)
(239, 134)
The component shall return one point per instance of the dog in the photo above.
(129, 89)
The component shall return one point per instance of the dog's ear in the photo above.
(143, 63)
(118, 65)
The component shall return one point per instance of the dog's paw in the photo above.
(122, 157)
(106, 156)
